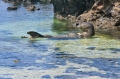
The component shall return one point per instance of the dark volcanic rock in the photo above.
(103, 14)
(12, 8)
(28, 4)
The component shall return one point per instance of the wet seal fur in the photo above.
(34, 34)
(88, 31)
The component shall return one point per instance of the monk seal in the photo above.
(34, 34)
(88, 31)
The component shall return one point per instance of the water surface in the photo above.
(98, 57)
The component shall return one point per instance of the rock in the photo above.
(104, 15)
(32, 8)
(12, 8)
(117, 23)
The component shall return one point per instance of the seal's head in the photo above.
(88, 29)
(34, 34)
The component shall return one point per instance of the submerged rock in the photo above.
(12, 8)
(32, 8)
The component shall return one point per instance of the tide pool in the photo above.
(43, 58)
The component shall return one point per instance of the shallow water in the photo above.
(96, 58)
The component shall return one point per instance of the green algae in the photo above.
(59, 26)
(97, 47)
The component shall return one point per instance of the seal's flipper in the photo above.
(34, 34)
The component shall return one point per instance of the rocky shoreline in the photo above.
(103, 14)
